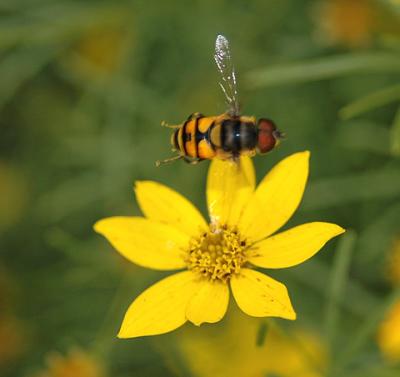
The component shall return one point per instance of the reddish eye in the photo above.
(266, 139)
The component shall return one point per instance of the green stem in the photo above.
(364, 333)
(105, 338)
(338, 283)
(323, 68)
(395, 135)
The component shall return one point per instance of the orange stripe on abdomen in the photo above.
(205, 150)
(205, 123)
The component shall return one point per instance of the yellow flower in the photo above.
(77, 363)
(99, 52)
(216, 351)
(12, 331)
(393, 265)
(388, 338)
(11, 339)
(347, 22)
(174, 235)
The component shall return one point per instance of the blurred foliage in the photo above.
(231, 350)
(84, 88)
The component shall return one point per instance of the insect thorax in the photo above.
(234, 135)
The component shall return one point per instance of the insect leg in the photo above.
(168, 160)
(195, 116)
(165, 124)
(192, 161)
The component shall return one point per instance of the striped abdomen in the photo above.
(192, 138)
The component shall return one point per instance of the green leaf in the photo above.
(262, 333)
(357, 301)
(363, 334)
(374, 241)
(50, 24)
(323, 68)
(376, 184)
(364, 136)
(373, 371)
(395, 135)
(392, 5)
(72, 195)
(20, 66)
(370, 102)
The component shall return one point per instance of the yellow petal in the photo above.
(276, 197)
(145, 242)
(209, 304)
(294, 246)
(261, 296)
(160, 308)
(229, 188)
(160, 203)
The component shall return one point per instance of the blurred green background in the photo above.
(84, 87)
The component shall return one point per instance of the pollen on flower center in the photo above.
(217, 254)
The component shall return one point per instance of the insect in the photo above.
(226, 136)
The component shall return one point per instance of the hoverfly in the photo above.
(227, 136)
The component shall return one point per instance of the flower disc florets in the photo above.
(217, 254)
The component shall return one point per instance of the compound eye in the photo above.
(266, 140)
(266, 125)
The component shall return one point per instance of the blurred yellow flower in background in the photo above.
(99, 52)
(77, 363)
(393, 265)
(388, 337)
(217, 352)
(174, 235)
(346, 22)
(11, 339)
(12, 333)
(389, 334)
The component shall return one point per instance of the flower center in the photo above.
(217, 254)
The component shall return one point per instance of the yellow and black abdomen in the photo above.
(192, 138)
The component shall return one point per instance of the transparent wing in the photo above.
(225, 66)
